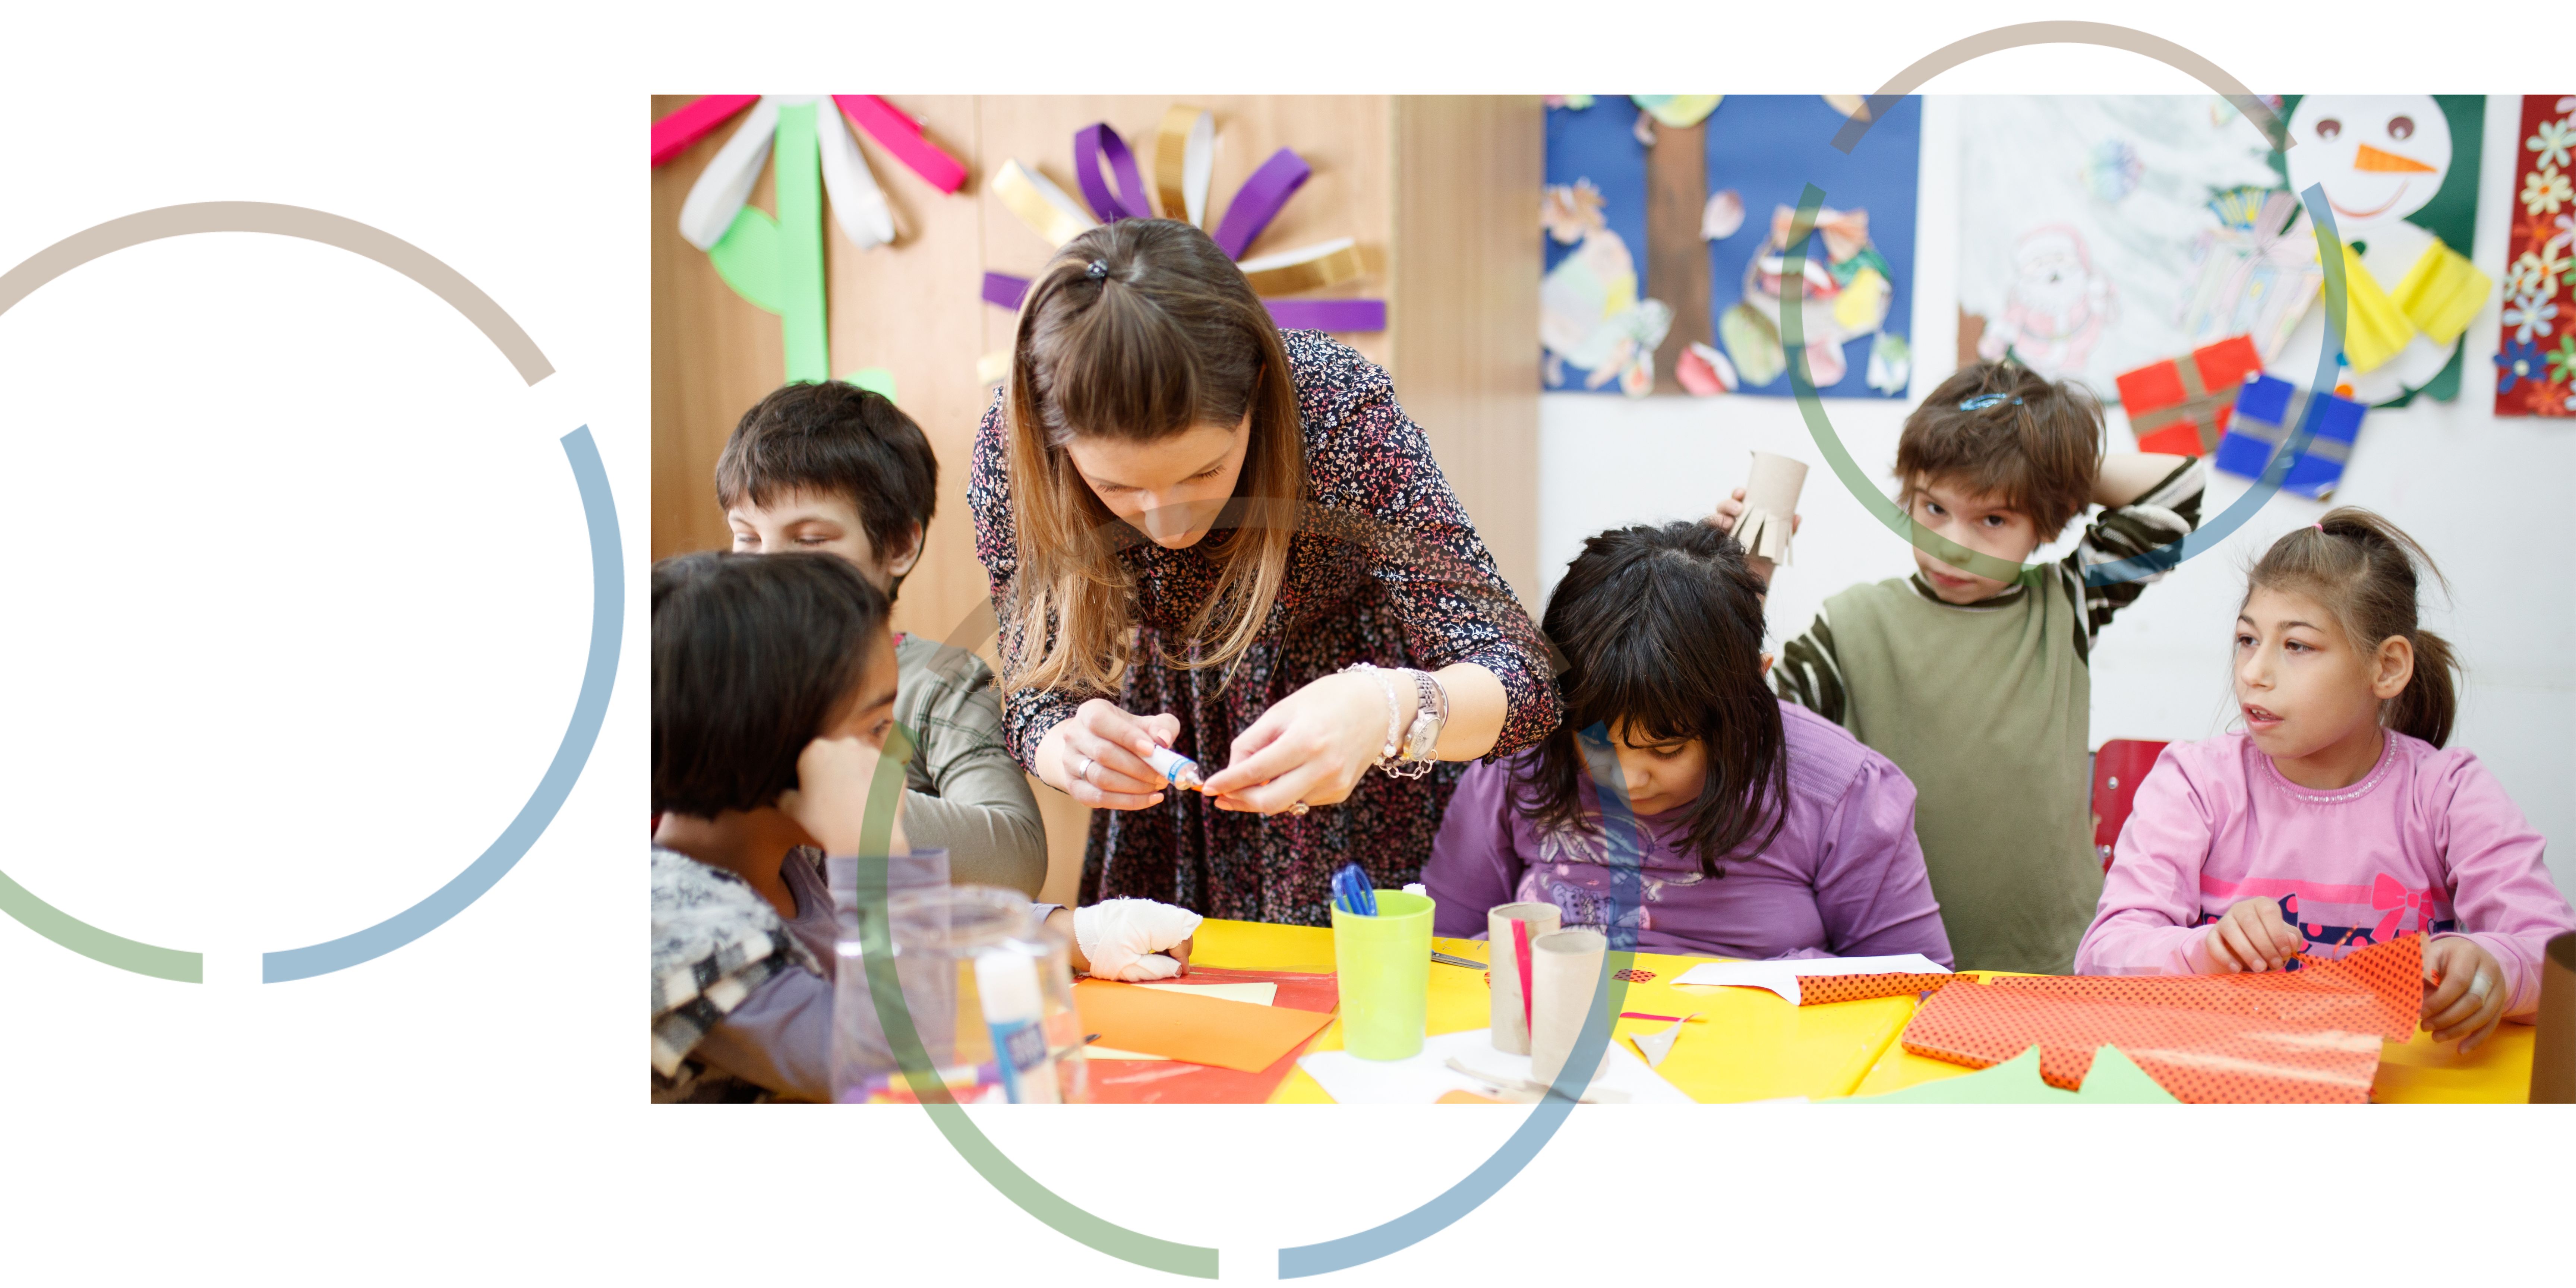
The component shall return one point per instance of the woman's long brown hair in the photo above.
(1169, 337)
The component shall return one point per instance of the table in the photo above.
(1754, 1045)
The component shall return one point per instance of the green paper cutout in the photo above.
(747, 259)
(2114, 1079)
(800, 245)
(877, 379)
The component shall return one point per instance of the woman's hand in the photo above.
(1311, 747)
(2250, 937)
(830, 801)
(2464, 991)
(1731, 512)
(1097, 756)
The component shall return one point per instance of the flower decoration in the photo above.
(2544, 191)
(2516, 362)
(1184, 160)
(2536, 352)
(2550, 142)
(1570, 212)
(2530, 314)
(2562, 360)
(777, 263)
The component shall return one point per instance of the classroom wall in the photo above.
(2486, 495)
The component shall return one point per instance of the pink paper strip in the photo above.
(673, 134)
(1127, 201)
(1259, 200)
(1328, 315)
(901, 135)
(1001, 290)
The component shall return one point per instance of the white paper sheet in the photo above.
(1426, 1077)
(1782, 976)
(1259, 993)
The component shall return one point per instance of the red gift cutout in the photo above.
(2182, 407)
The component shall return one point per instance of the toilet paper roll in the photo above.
(1565, 970)
(1510, 1013)
(1770, 499)
(2553, 1047)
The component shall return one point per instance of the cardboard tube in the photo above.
(2553, 1048)
(1510, 1015)
(1770, 498)
(1566, 971)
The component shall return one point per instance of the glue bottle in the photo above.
(1178, 770)
(1014, 1010)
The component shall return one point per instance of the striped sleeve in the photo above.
(1809, 674)
(2165, 514)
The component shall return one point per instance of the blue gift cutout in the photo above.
(2255, 432)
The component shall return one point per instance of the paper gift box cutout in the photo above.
(2180, 406)
(2264, 410)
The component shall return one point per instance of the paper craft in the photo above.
(2265, 407)
(1195, 1030)
(2181, 405)
(1040, 204)
(2257, 273)
(1565, 982)
(1770, 501)
(1422, 1079)
(673, 134)
(1655, 1046)
(2113, 1080)
(2081, 221)
(2309, 1035)
(1184, 161)
(1782, 976)
(902, 136)
(1169, 1082)
(1258, 994)
(1825, 990)
(2535, 357)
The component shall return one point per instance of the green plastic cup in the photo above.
(1383, 966)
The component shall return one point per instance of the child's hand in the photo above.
(830, 802)
(1731, 512)
(2464, 991)
(1133, 939)
(2251, 937)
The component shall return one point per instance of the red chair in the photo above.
(2118, 768)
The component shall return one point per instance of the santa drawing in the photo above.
(2057, 306)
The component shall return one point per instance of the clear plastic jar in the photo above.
(989, 994)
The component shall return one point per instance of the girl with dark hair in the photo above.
(2337, 819)
(1765, 830)
(1208, 536)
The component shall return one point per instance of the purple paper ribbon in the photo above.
(1328, 315)
(1005, 291)
(1090, 144)
(1257, 202)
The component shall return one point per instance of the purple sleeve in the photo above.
(779, 1037)
(2151, 896)
(2501, 893)
(1474, 865)
(1027, 714)
(1871, 890)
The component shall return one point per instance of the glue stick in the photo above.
(1178, 770)
(1007, 983)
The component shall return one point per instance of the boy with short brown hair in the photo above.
(1980, 689)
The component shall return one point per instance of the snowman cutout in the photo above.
(2380, 158)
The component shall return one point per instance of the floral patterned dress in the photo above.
(1384, 568)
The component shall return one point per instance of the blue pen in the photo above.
(1353, 891)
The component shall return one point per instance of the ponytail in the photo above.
(2362, 568)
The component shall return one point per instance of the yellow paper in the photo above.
(1306, 268)
(1184, 148)
(1857, 309)
(2442, 291)
(2374, 328)
(1039, 203)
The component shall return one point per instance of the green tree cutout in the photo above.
(777, 264)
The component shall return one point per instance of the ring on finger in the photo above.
(1084, 773)
(1297, 809)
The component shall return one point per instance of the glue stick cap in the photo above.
(1007, 982)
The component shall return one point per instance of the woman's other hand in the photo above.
(1311, 747)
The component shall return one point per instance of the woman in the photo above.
(1196, 529)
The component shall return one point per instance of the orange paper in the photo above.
(1817, 990)
(1194, 1030)
(2377, 990)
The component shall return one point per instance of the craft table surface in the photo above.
(1749, 1045)
(1753, 1045)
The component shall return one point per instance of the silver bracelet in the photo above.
(1394, 709)
(1409, 751)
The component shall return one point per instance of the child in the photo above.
(773, 692)
(2336, 820)
(1980, 690)
(1766, 831)
(840, 469)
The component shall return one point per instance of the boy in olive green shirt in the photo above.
(840, 469)
(1981, 690)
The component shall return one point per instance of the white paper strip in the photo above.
(1781, 977)
(726, 183)
(858, 204)
(1422, 1079)
(1198, 166)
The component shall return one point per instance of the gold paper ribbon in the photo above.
(2199, 406)
(1307, 268)
(1040, 204)
(1184, 160)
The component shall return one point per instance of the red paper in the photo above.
(1819, 990)
(901, 135)
(2153, 393)
(673, 134)
(1169, 1082)
(2306, 1036)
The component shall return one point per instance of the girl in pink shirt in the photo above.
(2337, 819)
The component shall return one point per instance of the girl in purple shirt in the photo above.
(1764, 831)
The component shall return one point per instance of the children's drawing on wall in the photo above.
(2401, 174)
(2536, 350)
(2090, 225)
(1668, 220)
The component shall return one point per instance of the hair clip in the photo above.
(1983, 401)
(1098, 270)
